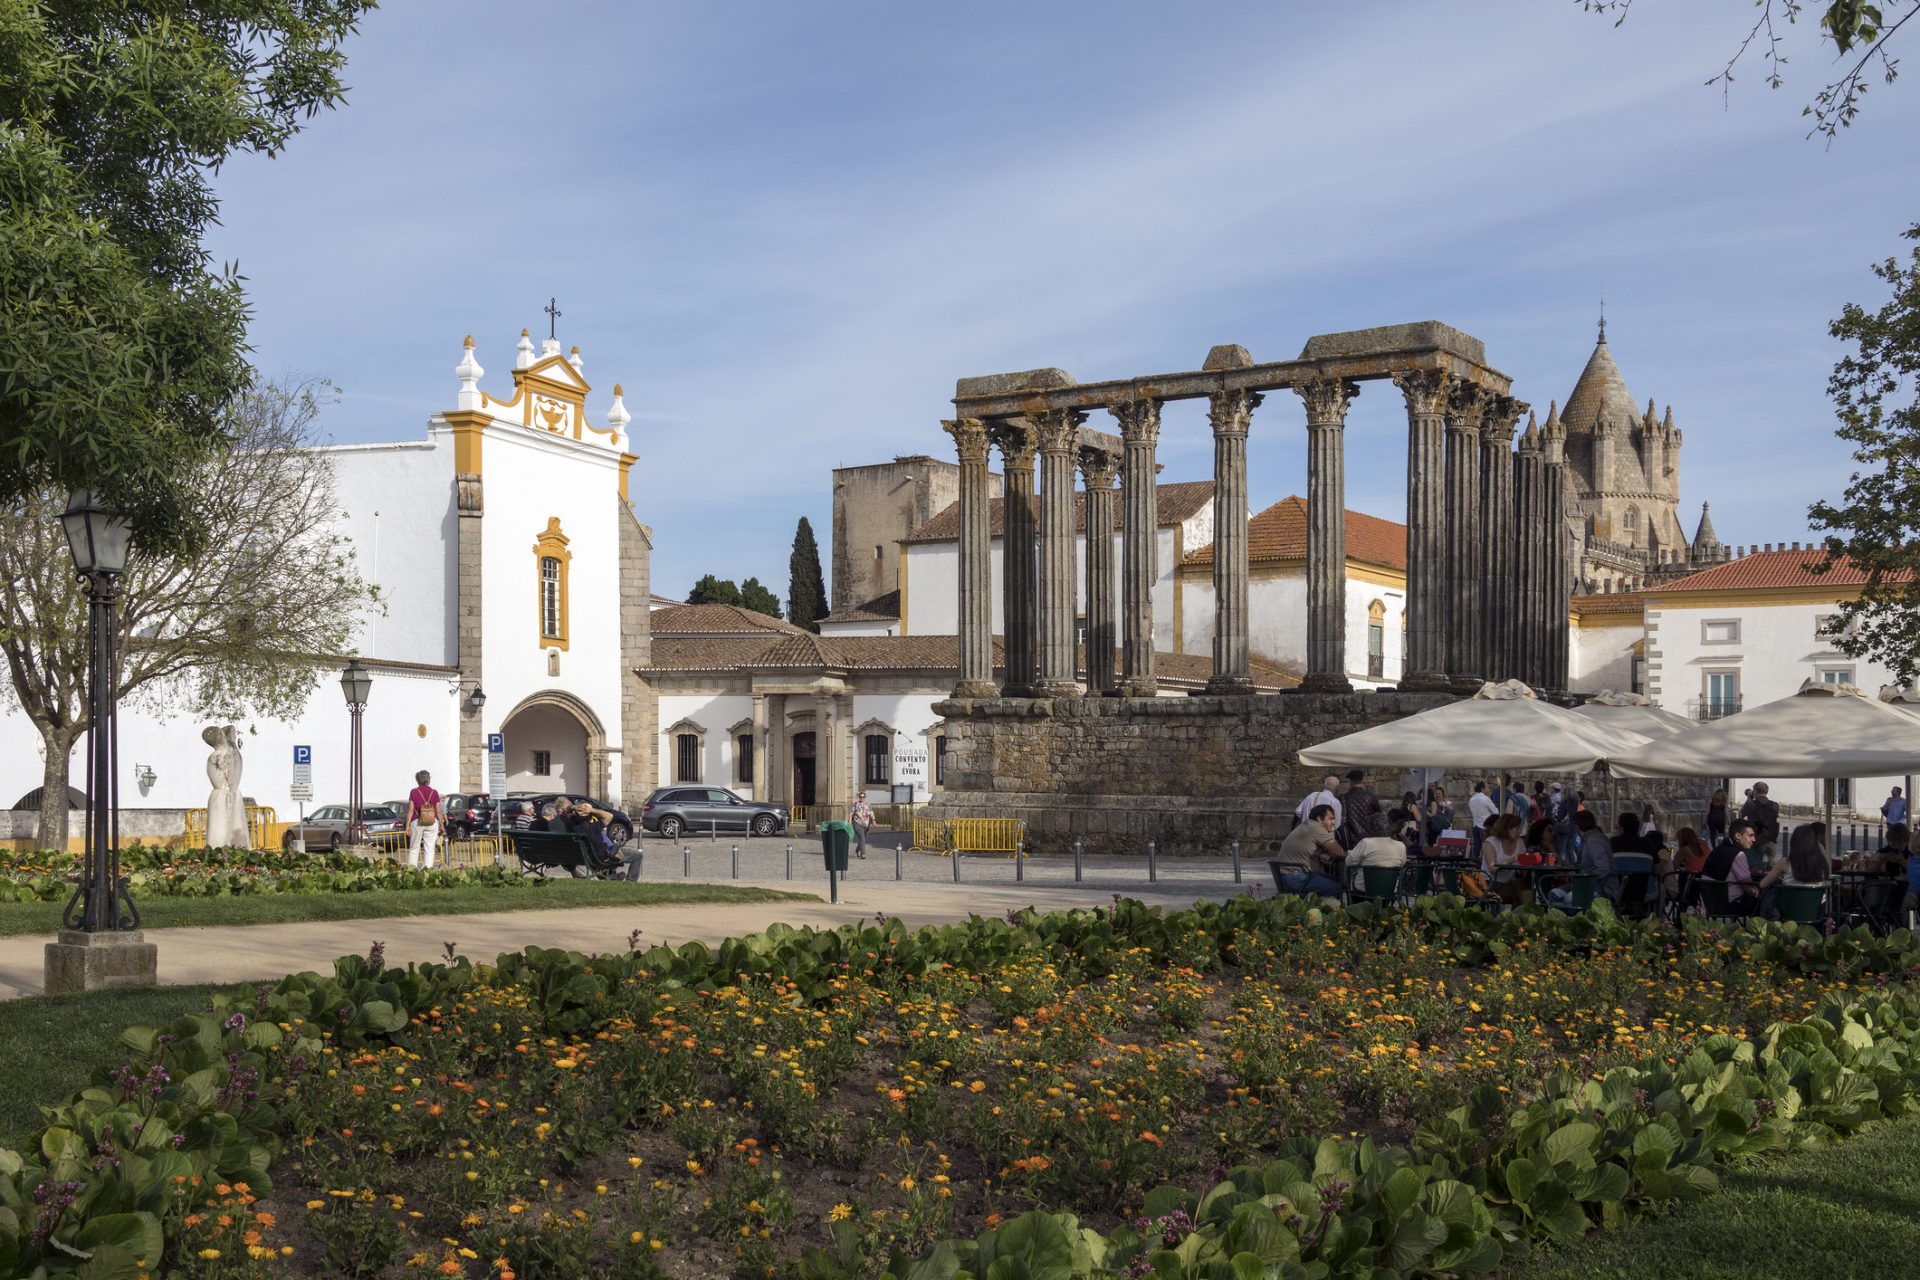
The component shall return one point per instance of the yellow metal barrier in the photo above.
(473, 851)
(808, 817)
(263, 825)
(932, 835)
(988, 835)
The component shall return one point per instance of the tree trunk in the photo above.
(52, 834)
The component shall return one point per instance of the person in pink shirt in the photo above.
(423, 821)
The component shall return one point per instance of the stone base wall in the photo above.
(1191, 774)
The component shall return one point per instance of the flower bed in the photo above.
(213, 873)
(1403, 1092)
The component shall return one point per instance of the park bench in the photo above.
(579, 855)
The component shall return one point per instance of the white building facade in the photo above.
(513, 597)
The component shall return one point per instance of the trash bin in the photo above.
(836, 839)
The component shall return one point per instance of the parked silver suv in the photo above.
(700, 809)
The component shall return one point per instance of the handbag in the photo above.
(1473, 884)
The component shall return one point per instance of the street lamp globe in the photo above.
(96, 536)
(356, 682)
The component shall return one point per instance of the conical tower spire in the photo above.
(1706, 543)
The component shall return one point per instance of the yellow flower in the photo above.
(840, 1213)
(209, 1254)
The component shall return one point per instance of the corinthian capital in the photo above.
(1327, 399)
(1098, 467)
(1467, 407)
(969, 438)
(1501, 417)
(1016, 440)
(1057, 430)
(1231, 411)
(1139, 420)
(1425, 391)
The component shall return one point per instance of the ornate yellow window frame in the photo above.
(550, 545)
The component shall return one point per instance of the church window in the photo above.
(551, 561)
(879, 760)
(543, 764)
(687, 753)
(1632, 523)
(743, 759)
(1376, 640)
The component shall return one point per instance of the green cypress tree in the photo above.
(712, 590)
(806, 585)
(756, 596)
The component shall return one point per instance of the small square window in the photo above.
(543, 764)
(879, 553)
(1720, 631)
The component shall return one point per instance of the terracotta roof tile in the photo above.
(1768, 569)
(884, 608)
(716, 620)
(1178, 502)
(1623, 602)
(1280, 533)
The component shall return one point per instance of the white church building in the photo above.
(512, 575)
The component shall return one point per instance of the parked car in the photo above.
(619, 831)
(326, 827)
(672, 810)
(468, 815)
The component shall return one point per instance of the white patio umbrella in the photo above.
(1824, 731)
(1504, 726)
(1636, 713)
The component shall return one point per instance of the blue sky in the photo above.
(788, 228)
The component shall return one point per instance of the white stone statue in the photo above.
(226, 812)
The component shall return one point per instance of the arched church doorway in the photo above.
(551, 743)
(803, 760)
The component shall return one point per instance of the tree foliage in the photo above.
(230, 631)
(712, 590)
(806, 585)
(1860, 34)
(757, 596)
(121, 346)
(1877, 525)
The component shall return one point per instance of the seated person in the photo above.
(1806, 864)
(549, 819)
(1308, 851)
(1627, 837)
(1541, 841)
(1379, 851)
(1500, 852)
(522, 819)
(1689, 852)
(1596, 859)
(583, 819)
(1891, 857)
(1728, 864)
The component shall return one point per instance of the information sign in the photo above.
(497, 767)
(302, 789)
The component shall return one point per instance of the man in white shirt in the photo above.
(1329, 793)
(1482, 807)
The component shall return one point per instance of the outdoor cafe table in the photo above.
(1852, 895)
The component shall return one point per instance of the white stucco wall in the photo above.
(1277, 622)
(1601, 658)
(1777, 651)
(716, 713)
(396, 505)
(831, 627)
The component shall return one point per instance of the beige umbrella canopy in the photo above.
(1633, 712)
(1504, 726)
(1824, 731)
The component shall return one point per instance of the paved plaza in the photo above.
(926, 894)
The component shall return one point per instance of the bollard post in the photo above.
(789, 862)
(833, 883)
(736, 862)
(686, 860)
(713, 829)
(1076, 862)
(1153, 864)
(1236, 862)
(1019, 862)
(956, 864)
(897, 857)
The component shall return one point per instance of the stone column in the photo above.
(1058, 433)
(976, 561)
(1017, 442)
(823, 749)
(1140, 518)
(1498, 599)
(1530, 532)
(1557, 580)
(1230, 412)
(470, 505)
(759, 746)
(779, 768)
(1327, 401)
(1424, 663)
(1098, 467)
(1465, 409)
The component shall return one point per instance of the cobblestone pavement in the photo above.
(765, 861)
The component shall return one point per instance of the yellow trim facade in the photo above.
(1736, 597)
(469, 431)
(550, 545)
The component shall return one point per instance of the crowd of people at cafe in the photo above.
(1502, 838)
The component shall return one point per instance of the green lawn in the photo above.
(49, 1045)
(1851, 1210)
(18, 918)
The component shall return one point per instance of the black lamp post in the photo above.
(98, 540)
(355, 683)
